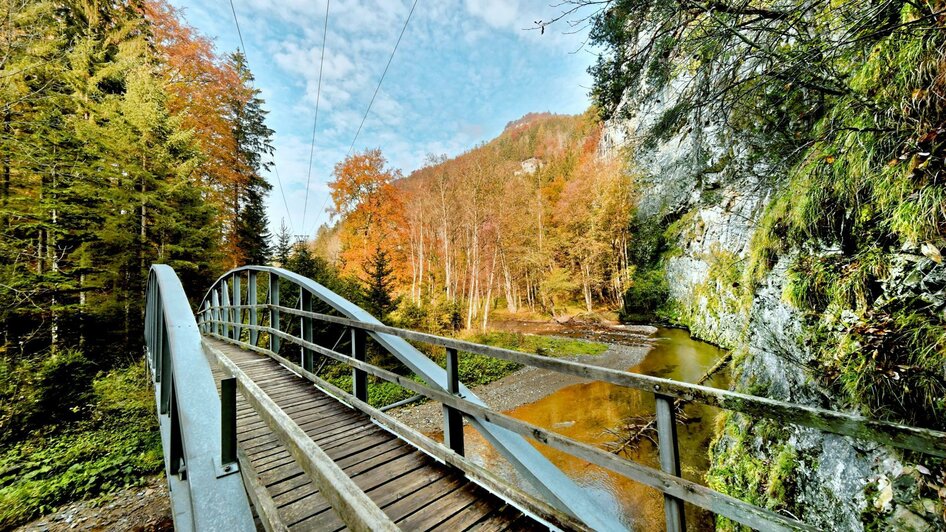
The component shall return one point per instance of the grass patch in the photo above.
(117, 446)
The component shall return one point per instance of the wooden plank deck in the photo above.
(413, 489)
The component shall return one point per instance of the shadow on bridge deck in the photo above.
(411, 488)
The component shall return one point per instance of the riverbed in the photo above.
(591, 411)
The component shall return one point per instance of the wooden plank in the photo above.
(395, 489)
(262, 502)
(282, 495)
(322, 521)
(441, 509)
(379, 463)
(498, 521)
(352, 505)
(318, 422)
(291, 498)
(424, 496)
(305, 415)
(468, 517)
(311, 504)
(432, 448)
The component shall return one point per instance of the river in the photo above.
(586, 411)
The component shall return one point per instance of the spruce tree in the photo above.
(379, 298)
(253, 140)
(283, 248)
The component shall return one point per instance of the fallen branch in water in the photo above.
(635, 429)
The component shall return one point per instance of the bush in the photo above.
(648, 292)
(117, 446)
(42, 391)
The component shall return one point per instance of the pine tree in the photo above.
(250, 237)
(282, 251)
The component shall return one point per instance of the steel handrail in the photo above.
(206, 494)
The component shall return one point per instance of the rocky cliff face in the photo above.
(700, 183)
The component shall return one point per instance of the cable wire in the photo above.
(239, 33)
(283, 193)
(282, 190)
(315, 122)
(382, 76)
(370, 103)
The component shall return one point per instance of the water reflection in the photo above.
(585, 411)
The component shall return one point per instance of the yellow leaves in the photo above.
(931, 252)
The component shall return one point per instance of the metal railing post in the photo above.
(359, 379)
(273, 313)
(305, 328)
(251, 301)
(176, 452)
(164, 370)
(237, 313)
(452, 418)
(669, 459)
(206, 317)
(215, 313)
(228, 421)
(225, 311)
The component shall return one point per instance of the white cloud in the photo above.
(497, 13)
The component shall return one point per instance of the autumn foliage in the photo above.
(536, 219)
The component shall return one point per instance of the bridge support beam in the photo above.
(669, 460)
(452, 418)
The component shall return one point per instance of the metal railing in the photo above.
(199, 448)
(227, 319)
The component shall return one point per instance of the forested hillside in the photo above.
(535, 219)
(126, 139)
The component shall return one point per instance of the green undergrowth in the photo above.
(474, 369)
(752, 461)
(866, 195)
(115, 445)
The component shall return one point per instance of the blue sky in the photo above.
(464, 69)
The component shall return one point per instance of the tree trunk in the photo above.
(586, 284)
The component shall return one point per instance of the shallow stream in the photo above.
(587, 411)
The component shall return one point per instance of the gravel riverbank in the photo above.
(627, 346)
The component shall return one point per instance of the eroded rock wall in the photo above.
(702, 183)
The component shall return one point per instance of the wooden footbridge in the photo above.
(255, 439)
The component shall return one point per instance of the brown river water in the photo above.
(585, 411)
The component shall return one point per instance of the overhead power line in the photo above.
(237, 23)
(384, 73)
(373, 96)
(283, 193)
(315, 122)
